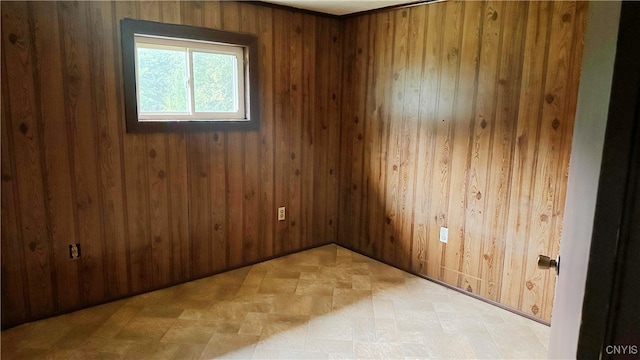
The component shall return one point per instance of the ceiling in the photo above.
(339, 7)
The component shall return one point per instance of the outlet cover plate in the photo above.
(444, 234)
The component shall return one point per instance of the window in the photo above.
(184, 78)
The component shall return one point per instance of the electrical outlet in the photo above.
(74, 251)
(281, 214)
(444, 234)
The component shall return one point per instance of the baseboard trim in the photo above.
(285, 253)
(439, 282)
(164, 286)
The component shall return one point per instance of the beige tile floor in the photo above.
(324, 303)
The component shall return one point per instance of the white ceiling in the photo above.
(338, 7)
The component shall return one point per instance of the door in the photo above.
(601, 177)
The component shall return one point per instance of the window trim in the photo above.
(131, 27)
(189, 47)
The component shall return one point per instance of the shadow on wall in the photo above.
(460, 115)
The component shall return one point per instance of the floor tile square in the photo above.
(192, 332)
(336, 328)
(278, 286)
(145, 328)
(375, 350)
(230, 346)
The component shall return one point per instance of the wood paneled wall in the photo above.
(460, 115)
(455, 114)
(157, 209)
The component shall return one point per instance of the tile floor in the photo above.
(324, 303)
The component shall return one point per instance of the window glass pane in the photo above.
(215, 82)
(162, 74)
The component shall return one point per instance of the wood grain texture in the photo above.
(267, 135)
(416, 45)
(136, 188)
(25, 139)
(152, 210)
(83, 149)
(177, 181)
(320, 133)
(376, 130)
(106, 108)
(467, 125)
(282, 102)
(161, 247)
(309, 93)
(14, 285)
(217, 150)
(251, 170)
(61, 207)
(466, 250)
(295, 129)
(230, 20)
(334, 98)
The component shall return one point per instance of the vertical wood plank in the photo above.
(441, 182)
(177, 184)
(217, 149)
(409, 134)
(25, 139)
(354, 104)
(117, 12)
(15, 291)
(281, 20)
(462, 255)
(137, 192)
(464, 50)
(308, 125)
(502, 147)
(267, 140)
(369, 195)
(58, 187)
(159, 226)
(295, 131)
(347, 189)
(321, 171)
(218, 199)
(524, 161)
(198, 174)
(383, 55)
(251, 171)
(365, 188)
(422, 244)
(103, 59)
(235, 162)
(84, 148)
(431, 259)
(479, 199)
(333, 145)
(391, 245)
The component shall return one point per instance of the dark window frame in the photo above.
(130, 27)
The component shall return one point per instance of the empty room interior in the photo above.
(380, 186)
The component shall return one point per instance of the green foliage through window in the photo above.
(186, 78)
(162, 75)
(214, 77)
